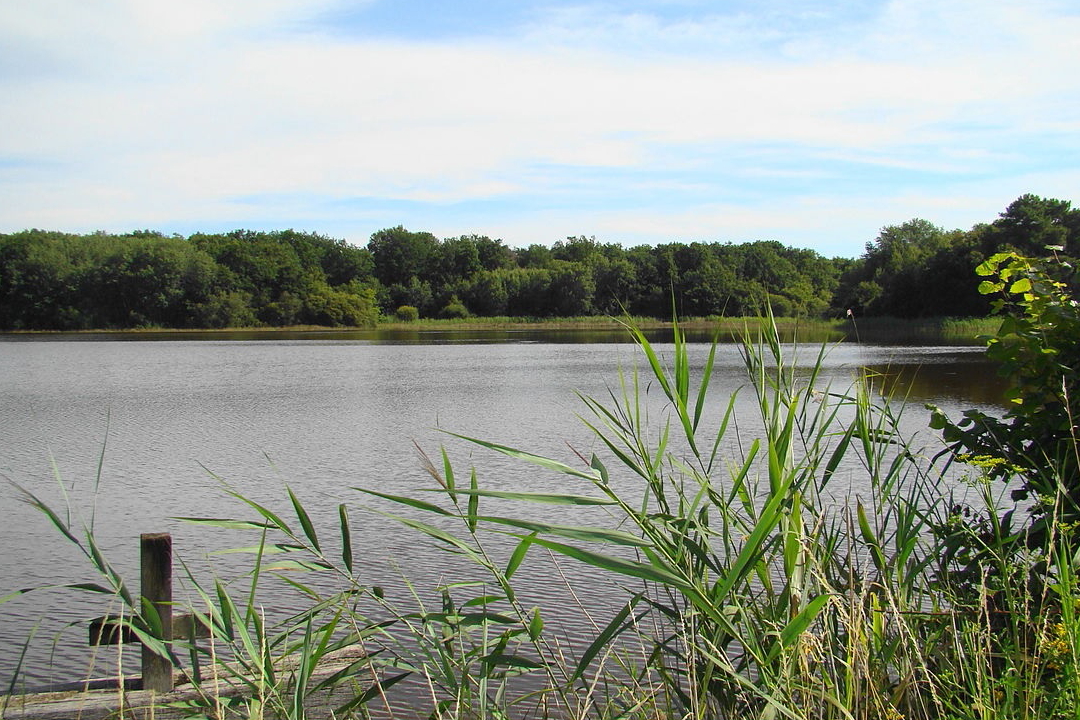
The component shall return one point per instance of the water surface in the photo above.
(172, 422)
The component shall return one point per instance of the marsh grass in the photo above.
(757, 585)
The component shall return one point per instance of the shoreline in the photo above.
(944, 325)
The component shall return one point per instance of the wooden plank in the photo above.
(112, 630)
(116, 701)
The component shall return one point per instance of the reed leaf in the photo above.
(346, 537)
(304, 518)
(588, 534)
(474, 503)
(225, 523)
(518, 556)
(618, 624)
(528, 457)
(411, 502)
(543, 498)
(621, 566)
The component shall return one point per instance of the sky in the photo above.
(814, 123)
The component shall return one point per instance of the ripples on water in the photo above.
(173, 419)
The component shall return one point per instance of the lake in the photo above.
(170, 419)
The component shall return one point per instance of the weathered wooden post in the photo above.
(156, 564)
(155, 551)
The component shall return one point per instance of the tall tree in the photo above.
(401, 256)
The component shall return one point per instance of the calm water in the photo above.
(171, 420)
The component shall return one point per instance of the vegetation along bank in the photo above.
(57, 281)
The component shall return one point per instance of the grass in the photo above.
(750, 590)
(874, 329)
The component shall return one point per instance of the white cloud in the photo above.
(157, 112)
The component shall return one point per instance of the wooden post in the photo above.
(156, 563)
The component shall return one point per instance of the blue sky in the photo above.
(813, 123)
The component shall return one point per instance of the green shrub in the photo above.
(407, 313)
(454, 310)
(1037, 347)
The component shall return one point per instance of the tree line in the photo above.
(59, 281)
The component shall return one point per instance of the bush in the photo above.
(1038, 349)
(407, 313)
(454, 310)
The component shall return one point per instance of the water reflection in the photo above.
(973, 381)
(911, 335)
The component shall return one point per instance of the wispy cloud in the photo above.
(538, 122)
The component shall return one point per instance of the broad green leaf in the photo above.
(265, 512)
(1022, 285)
(300, 565)
(87, 587)
(30, 499)
(438, 534)
(448, 479)
(620, 453)
(483, 600)
(837, 455)
(743, 566)
(264, 549)
(376, 690)
(799, 624)
(870, 539)
(706, 376)
(614, 628)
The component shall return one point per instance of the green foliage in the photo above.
(1032, 223)
(535, 256)
(901, 272)
(407, 313)
(224, 309)
(485, 294)
(352, 305)
(1037, 347)
(71, 282)
(918, 270)
(145, 279)
(454, 310)
(401, 256)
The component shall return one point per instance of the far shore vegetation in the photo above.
(914, 271)
(953, 331)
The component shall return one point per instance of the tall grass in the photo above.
(757, 583)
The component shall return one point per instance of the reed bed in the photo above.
(749, 590)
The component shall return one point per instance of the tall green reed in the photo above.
(741, 561)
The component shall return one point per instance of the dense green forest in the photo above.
(58, 281)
